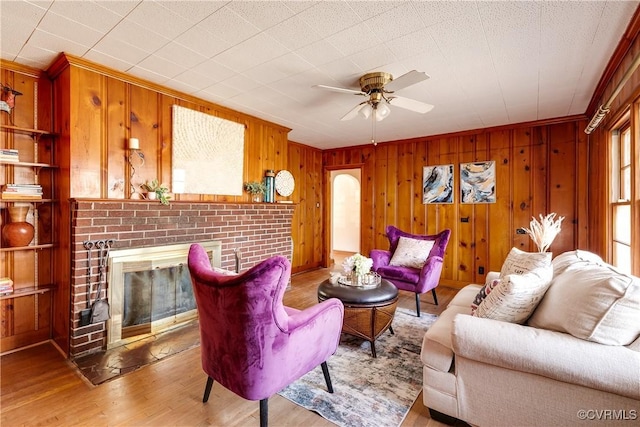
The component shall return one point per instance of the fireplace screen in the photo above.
(149, 290)
(155, 295)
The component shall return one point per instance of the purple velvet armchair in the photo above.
(417, 280)
(250, 342)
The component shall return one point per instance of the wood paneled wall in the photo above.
(539, 169)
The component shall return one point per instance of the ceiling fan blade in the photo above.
(354, 111)
(339, 89)
(405, 80)
(410, 104)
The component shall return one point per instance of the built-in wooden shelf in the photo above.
(27, 248)
(5, 200)
(28, 164)
(26, 130)
(26, 291)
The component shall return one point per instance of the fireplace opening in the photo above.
(149, 290)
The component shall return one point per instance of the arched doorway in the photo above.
(345, 214)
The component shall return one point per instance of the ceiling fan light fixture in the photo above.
(382, 111)
(365, 111)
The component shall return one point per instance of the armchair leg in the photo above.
(435, 298)
(264, 412)
(327, 378)
(418, 304)
(207, 390)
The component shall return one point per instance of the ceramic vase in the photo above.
(18, 232)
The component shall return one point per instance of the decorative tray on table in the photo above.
(369, 280)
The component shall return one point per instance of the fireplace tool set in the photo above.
(98, 311)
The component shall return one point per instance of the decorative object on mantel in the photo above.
(8, 99)
(284, 183)
(18, 232)
(134, 149)
(269, 182)
(544, 231)
(256, 189)
(358, 271)
(155, 190)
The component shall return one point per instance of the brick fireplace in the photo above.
(251, 231)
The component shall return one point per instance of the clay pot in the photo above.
(18, 232)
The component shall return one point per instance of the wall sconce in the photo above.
(134, 149)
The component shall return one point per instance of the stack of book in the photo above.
(22, 191)
(6, 286)
(9, 155)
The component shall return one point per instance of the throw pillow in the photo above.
(516, 296)
(411, 252)
(594, 302)
(520, 262)
(480, 296)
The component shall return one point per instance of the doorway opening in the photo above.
(345, 196)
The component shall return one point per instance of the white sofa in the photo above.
(490, 372)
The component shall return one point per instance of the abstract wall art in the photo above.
(478, 182)
(207, 153)
(437, 184)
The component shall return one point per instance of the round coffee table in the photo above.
(368, 311)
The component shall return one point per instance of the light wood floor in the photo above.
(39, 387)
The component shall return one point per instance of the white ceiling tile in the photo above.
(144, 39)
(119, 49)
(354, 39)
(369, 9)
(120, 7)
(165, 68)
(65, 28)
(373, 59)
(193, 10)
(87, 13)
(396, 22)
(278, 68)
(437, 12)
(117, 63)
(304, 34)
(193, 79)
(147, 75)
(54, 43)
(319, 53)
(152, 16)
(328, 18)
(214, 70)
(258, 49)
(227, 25)
(176, 53)
(204, 43)
(262, 14)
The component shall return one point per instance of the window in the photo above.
(621, 198)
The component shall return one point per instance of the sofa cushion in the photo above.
(437, 350)
(483, 292)
(520, 262)
(411, 253)
(592, 301)
(515, 296)
(573, 260)
(465, 296)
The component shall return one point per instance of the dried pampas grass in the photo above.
(544, 231)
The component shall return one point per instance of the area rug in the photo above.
(367, 391)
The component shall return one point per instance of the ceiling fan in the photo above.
(380, 87)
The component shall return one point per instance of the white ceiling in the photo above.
(491, 63)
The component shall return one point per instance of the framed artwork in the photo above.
(207, 153)
(478, 182)
(437, 184)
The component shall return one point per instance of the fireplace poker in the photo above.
(100, 307)
(85, 315)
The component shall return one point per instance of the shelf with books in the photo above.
(28, 164)
(33, 132)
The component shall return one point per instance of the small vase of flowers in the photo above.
(256, 189)
(357, 267)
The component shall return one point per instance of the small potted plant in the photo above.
(154, 190)
(256, 189)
